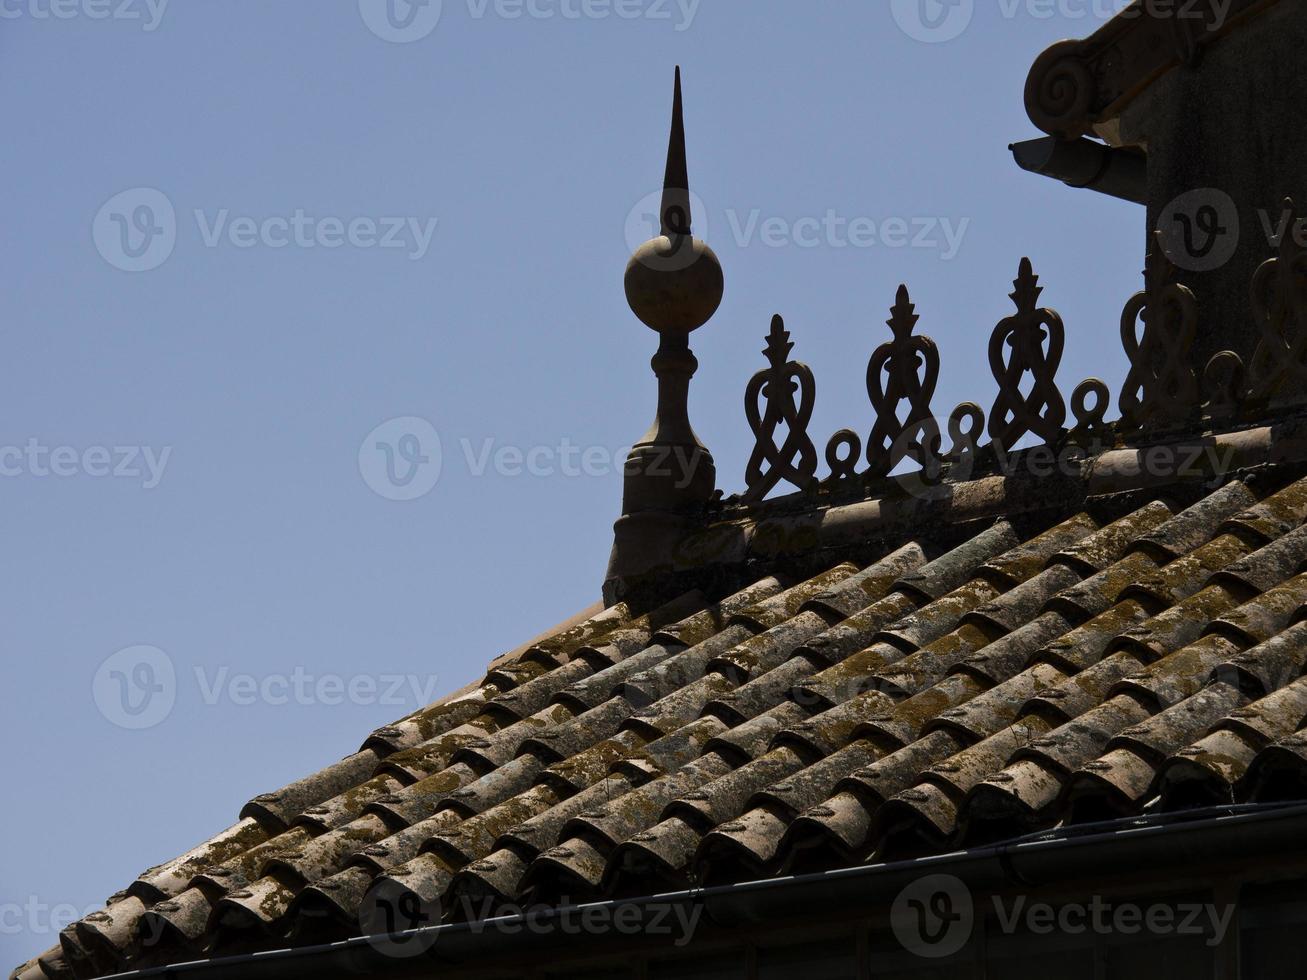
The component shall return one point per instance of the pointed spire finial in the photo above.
(675, 213)
(674, 282)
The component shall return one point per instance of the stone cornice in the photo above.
(1077, 85)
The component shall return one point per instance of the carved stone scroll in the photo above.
(1075, 84)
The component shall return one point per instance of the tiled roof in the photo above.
(1139, 654)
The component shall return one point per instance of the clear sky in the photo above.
(240, 236)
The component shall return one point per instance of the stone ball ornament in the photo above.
(674, 283)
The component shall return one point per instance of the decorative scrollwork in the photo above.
(1161, 385)
(966, 426)
(769, 402)
(1090, 431)
(1035, 338)
(905, 369)
(1223, 381)
(1279, 300)
(843, 466)
(966, 441)
(1162, 390)
(1061, 90)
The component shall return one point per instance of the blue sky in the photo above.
(376, 221)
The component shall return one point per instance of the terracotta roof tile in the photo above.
(1278, 772)
(1123, 657)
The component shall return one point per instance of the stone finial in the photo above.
(674, 285)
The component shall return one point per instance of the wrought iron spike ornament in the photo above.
(1030, 342)
(1161, 386)
(770, 402)
(904, 369)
